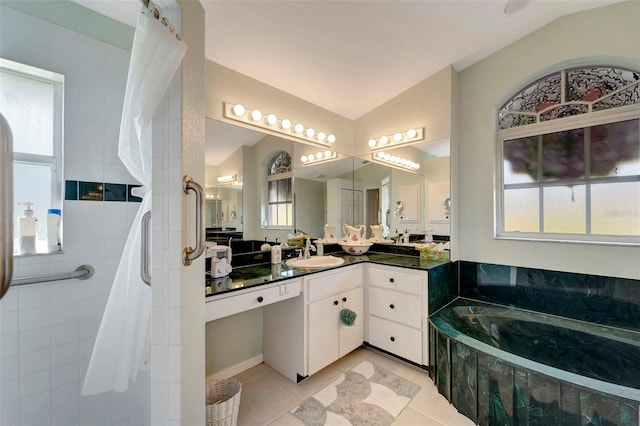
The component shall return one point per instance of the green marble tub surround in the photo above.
(486, 382)
(596, 299)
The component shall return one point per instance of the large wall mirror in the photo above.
(350, 190)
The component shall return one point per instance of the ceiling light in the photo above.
(513, 6)
(272, 124)
(226, 178)
(238, 110)
(395, 161)
(408, 137)
(272, 119)
(319, 157)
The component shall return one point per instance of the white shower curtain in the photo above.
(122, 346)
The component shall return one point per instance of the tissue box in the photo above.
(436, 256)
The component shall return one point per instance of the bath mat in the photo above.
(366, 395)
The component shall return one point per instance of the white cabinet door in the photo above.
(323, 337)
(352, 337)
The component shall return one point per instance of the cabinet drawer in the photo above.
(234, 304)
(393, 305)
(396, 280)
(398, 339)
(330, 283)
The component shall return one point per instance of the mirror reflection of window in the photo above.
(31, 99)
(279, 212)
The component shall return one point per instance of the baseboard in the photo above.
(237, 368)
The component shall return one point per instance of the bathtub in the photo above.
(503, 365)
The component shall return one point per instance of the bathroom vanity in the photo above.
(302, 329)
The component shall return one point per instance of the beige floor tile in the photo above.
(286, 419)
(263, 400)
(249, 375)
(410, 417)
(430, 403)
(352, 359)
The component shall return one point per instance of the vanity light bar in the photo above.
(395, 161)
(272, 123)
(226, 178)
(399, 138)
(319, 157)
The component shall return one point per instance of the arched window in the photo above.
(569, 158)
(279, 212)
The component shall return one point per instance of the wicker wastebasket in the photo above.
(223, 402)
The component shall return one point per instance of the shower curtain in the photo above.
(122, 346)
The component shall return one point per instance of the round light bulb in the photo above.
(319, 155)
(322, 136)
(387, 157)
(238, 110)
(310, 132)
(372, 143)
(328, 153)
(312, 157)
(397, 137)
(417, 166)
(331, 138)
(304, 159)
(272, 119)
(256, 115)
(285, 123)
(298, 128)
(411, 133)
(381, 154)
(384, 140)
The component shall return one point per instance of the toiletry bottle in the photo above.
(405, 237)
(276, 254)
(54, 219)
(319, 248)
(28, 229)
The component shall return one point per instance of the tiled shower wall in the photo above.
(47, 330)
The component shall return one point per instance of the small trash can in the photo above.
(223, 402)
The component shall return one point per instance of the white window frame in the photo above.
(55, 161)
(608, 116)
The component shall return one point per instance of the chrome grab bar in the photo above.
(82, 272)
(190, 254)
(6, 206)
(144, 248)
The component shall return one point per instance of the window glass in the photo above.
(615, 208)
(563, 155)
(521, 208)
(520, 162)
(32, 183)
(28, 104)
(565, 209)
(615, 149)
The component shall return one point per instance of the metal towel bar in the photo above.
(145, 275)
(82, 272)
(6, 206)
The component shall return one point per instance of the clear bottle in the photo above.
(28, 229)
(54, 220)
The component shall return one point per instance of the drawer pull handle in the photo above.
(344, 299)
(393, 339)
(391, 280)
(335, 302)
(260, 299)
(392, 306)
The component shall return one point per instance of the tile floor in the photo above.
(267, 396)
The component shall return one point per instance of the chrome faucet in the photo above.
(308, 247)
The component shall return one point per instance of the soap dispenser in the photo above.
(28, 229)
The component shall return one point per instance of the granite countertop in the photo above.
(262, 274)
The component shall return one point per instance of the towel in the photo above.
(348, 317)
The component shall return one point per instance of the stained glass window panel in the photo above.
(615, 149)
(591, 83)
(563, 155)
(565, 209)
(521, 210)
(615, 208)
(520, 163)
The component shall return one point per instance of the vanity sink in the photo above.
(315, 262)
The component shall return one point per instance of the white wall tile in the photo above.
(8, 322)
(34, 384)
(9, 391)
(64, 374)
(64, 333)
(35, 407)
(34, 362)
(34, 340)
(64, 312)
(63, 354)
(9, 369)
(10, 414)
(8, 346)
(66, 395)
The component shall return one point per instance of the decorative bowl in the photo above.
(355, 248)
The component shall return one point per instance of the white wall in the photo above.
(47, 330)
(607, 32)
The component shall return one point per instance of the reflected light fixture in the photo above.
(226, 178)
(407, 137)
(273, 124)
(395, 161)
(318, 157)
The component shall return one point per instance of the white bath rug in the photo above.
(367, 395)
